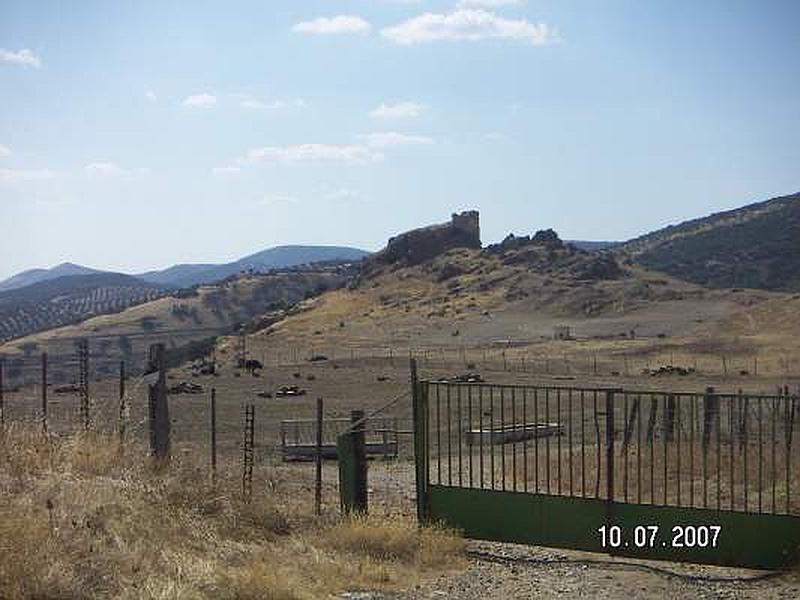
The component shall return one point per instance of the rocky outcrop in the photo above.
(419, 245)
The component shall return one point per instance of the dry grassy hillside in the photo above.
(176, 320)
(465, 292)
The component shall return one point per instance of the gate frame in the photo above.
(751, 540)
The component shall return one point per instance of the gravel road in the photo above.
(509, 572)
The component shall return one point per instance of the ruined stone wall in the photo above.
(419, 245)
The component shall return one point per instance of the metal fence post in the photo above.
(247, 450)
(420, 410)
(318, 460)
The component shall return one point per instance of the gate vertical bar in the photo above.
(610, 446)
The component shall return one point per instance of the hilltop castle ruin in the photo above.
(419, 245)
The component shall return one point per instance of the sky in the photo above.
(136, 135)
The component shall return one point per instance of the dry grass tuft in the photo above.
(396, 538)
(83, 517)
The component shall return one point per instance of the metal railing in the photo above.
(298, 436)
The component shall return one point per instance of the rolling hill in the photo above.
(69, 299)
(755, 246)
(32, 276)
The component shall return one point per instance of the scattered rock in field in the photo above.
(462, 378)
(67, 389)
(382, 378)
(186, 387)
(289, 391)
(668, 370)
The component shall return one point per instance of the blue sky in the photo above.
(136, 135)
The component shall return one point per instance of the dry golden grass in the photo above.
(83, 517)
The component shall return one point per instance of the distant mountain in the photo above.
(755, 246)
(69, 299)
(36, 275)
(273, 258)
(187, 275)
(184, 275)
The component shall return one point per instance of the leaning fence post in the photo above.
(44, 391)
(318, 458)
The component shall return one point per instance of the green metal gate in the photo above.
(694, 477)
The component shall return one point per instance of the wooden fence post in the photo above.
(83, 376)
(159, 406)
(318, 460)
(123, 404)
(359, 439)
(214, 436)
(2, 398)
(44, 391)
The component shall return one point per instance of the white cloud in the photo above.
(22, 175)
(5, 151)
(349, 154)
(344, 194)
(203, 100)
(274, 199)
(333, 25)
(151, 96)
(469, 25)
(226, 170)
(110, 170)
(496, 137)
(255, 103)
(22, 57)
(398, 110)
(488, 3)
(385, 139)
